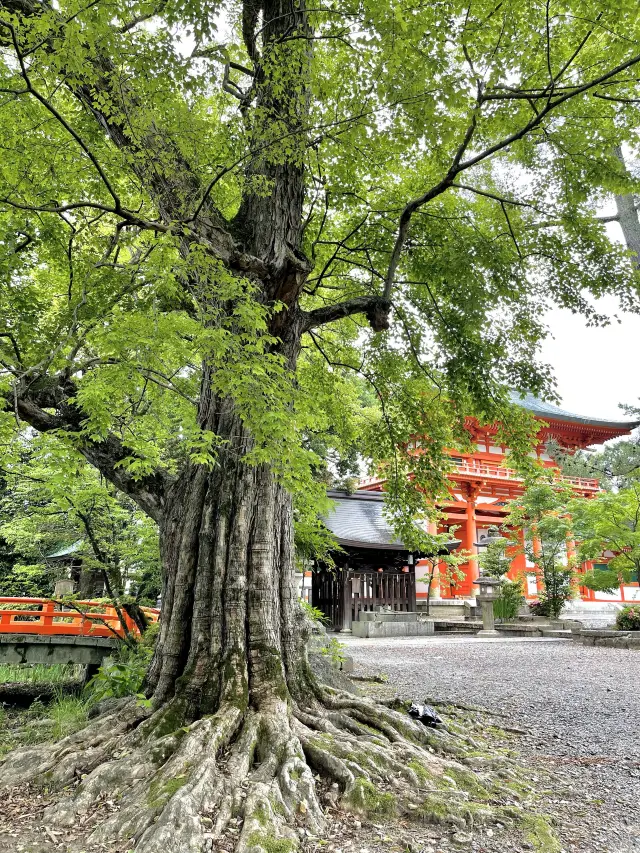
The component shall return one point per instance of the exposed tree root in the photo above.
(250, 774)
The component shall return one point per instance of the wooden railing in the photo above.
(479, 468)
(49, 618)
(491, 470)
(342, 595)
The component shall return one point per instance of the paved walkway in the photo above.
(580, 706)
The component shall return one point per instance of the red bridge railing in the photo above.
(49, 618)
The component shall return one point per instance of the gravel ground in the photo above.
(579, 705)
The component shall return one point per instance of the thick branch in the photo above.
(627, 216)
(106, 455)
(376, 308)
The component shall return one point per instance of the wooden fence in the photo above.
(342, 595)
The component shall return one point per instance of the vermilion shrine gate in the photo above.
(481, 487)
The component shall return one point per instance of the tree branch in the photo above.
(32, 405)
(376, 308)
(458, 165)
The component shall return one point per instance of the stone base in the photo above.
(387, 616)
(609, 638)
(484, 633)
(378, 628)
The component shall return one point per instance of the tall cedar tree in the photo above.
(210, 213)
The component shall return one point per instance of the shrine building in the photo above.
(482, 486)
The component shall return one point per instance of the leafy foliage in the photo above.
(628, 619)
(451, 170)
(542, 512)
(610, 522)
(122, 675)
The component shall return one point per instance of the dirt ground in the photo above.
(561, 716)
(578, 707)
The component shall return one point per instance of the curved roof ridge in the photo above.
(543, 409)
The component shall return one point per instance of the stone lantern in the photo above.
(489, 591)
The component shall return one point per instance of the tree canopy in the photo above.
(610, 522)
(454, 172)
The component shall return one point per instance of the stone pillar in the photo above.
(63, 586)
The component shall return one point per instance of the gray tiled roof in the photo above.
(356, 520)
(543, 409)
(66, 551)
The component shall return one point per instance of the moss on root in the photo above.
(270, 844)
(364, 798)
(161, 790)
(466, 780)
(537, 830)
(437, 810)
(420, 770)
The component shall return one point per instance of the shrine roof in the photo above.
(65, 551)
(547, 411)
(357, 521)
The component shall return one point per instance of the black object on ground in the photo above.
(425, 714)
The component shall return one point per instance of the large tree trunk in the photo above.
(230, 616)
(237, 728)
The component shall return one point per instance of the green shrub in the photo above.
(334, 650)
(122, 675)
(510, 600)
(628, 619)
(313, 613)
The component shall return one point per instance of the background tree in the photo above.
(616, 466)
(609, 522)
(495, 562)
(205, 222)
(52, 500)
(542, 512)
(442, 565)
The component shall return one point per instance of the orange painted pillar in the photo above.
(537, 548)
(571, 554)
(435, 583)
(515, 552)
(468, 543)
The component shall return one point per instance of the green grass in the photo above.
(38, 673)
(41, 722)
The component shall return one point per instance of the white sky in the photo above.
(595, 368)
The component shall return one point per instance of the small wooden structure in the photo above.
(373, 569)
(342, 594)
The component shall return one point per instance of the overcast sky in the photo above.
(596, 368)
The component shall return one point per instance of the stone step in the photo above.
(556, 632)
(423, 628)
(452, 626)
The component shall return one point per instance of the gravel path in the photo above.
(580, 706)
